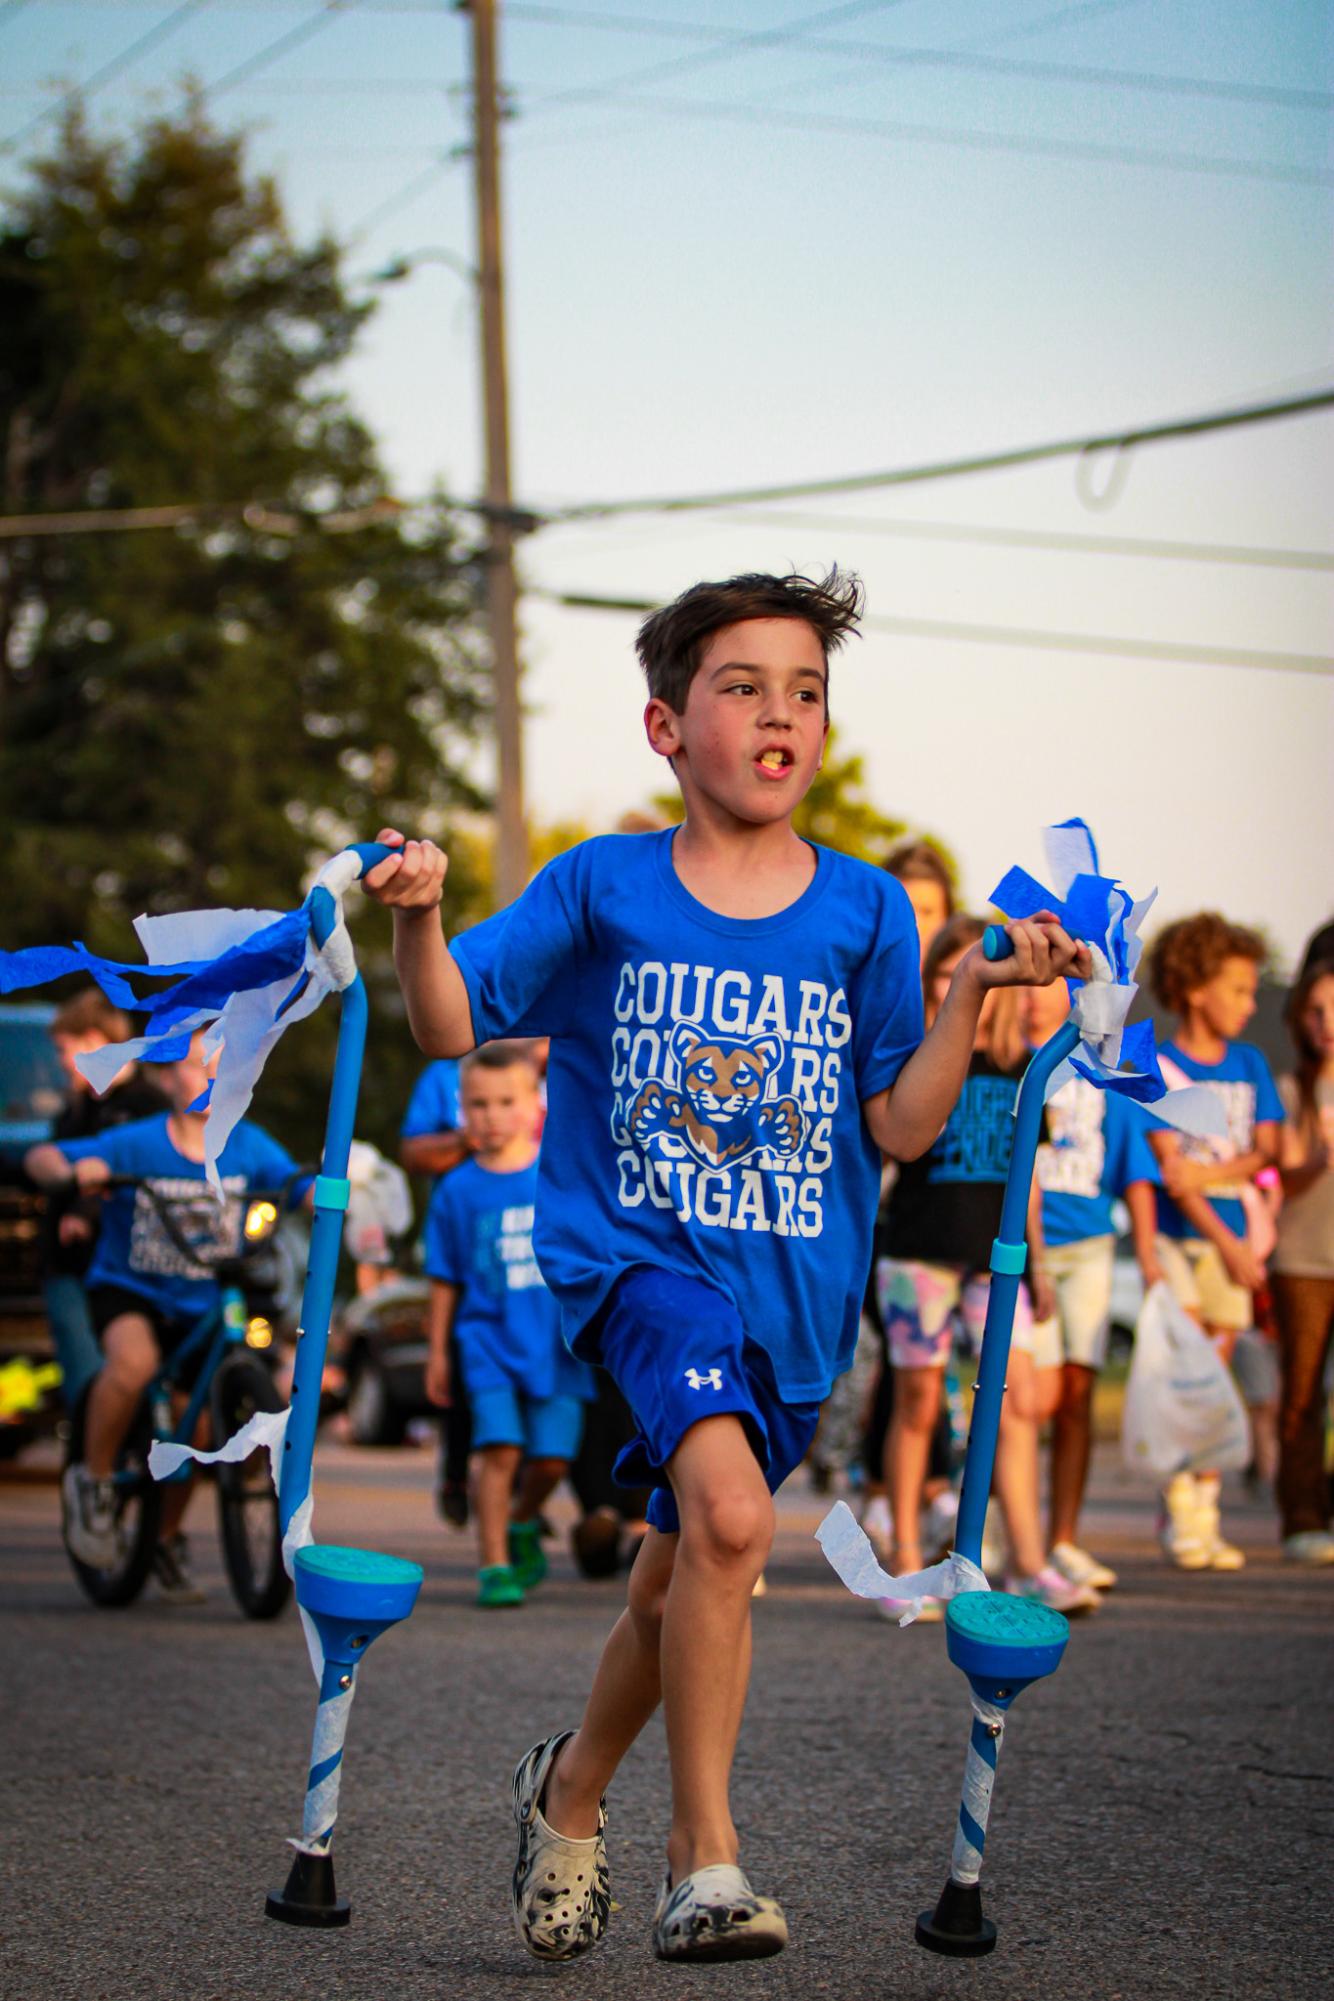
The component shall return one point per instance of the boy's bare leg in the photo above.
(626, 1690)
(493, 1470)
(131, 1363)
(727, 1523)
(1072, 1433)
(1016, 1479)
(907, 1456)
(538, 1480)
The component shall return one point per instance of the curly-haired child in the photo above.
(1207, 970)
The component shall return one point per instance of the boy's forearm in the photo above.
(906, 1119)
(1205, 1220)
(1142, 1203)
(439, 1010)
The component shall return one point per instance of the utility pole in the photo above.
(501, 589)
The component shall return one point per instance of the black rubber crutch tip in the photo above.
(957, 1927)
(308, 1897)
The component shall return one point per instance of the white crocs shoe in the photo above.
(561, 1892)
(715, 1914)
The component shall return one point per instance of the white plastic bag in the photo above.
(379, 1207)
(1183, 1412)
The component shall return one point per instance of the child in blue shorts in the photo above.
(526, 1391)
(736, 1024)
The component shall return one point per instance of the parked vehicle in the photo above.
(379, 1341)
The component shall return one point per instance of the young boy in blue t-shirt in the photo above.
(1207, 971)
(736, 1023)
(144, 1296)
(526, 1390)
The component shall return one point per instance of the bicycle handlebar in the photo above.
(199, 1254)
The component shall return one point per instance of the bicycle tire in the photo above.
(247, 1503)
(138, 1514)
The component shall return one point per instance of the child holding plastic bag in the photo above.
(1206, 970)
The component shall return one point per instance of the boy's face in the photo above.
(68, 1047)
(499, 1106)
(752, 732)
(183, 1082)
(1227, 1001)
(929, 907)
(1042, 1010)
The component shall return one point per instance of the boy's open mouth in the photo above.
(775, 758)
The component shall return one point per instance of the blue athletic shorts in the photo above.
(677, 1351)
(546, 1427)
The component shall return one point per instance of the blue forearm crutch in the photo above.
(1001, 1643)
(350, 1596)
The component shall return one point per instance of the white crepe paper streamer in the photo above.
(249, 1024)
(979, 1778)
(849, 1551)
(267, 1429)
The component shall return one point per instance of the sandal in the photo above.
(561, 1891)
(714, 1914)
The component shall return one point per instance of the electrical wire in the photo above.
(1020, 455)
(151, 39)
(1050, 539)
(273, 51)
(1035, 640)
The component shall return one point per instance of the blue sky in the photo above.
(751, 243)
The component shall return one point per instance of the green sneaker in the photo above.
(498, 1585)
(528, 1563)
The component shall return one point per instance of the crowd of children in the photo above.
(781, 1093)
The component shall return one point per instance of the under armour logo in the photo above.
(712, 1379)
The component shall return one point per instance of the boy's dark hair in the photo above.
(671, 640)
(1188, 953)
(498, 1056)
(89, 1012)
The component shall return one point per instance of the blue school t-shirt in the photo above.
(706, 1081)
(133, 1249)
(1250, 1098)
(1094, 1145)
(434, 1104)
(479, 1237)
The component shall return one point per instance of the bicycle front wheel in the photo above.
(247, 1503)
(138, 1511)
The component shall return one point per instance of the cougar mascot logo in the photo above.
(720, 1111)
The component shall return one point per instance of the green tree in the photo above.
(191, 716)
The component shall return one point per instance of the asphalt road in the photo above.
(1163, 1823)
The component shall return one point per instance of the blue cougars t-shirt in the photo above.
(706, 1081)
(1094, 1145)
(133, 1249)
(479, 1237)
(1250, 1098)
(434, 1104)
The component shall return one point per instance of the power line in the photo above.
(1118, 441)
(808, 122)
(151, 39)
(401, 196)
(961, 60)
(1006, 635)
(1053, 539)
(272, 51)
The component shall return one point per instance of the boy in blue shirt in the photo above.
(1094, 1150)
(525, 1389)
(1207, 971)
(735, 1018)
(143, 1295)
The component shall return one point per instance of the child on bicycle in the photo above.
(144, 1296)
(525, 1390)
(735, 1018)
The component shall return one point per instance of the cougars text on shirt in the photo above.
(725, 1091)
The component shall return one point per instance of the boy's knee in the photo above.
(731, 1526)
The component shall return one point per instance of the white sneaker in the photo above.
(1179, 1524)
(939, 1524)
(90, 1518)
(560, 1893)
(1051, 1589)
(1219, 1553)
(1310, 1546)
(175, 1578)
(878, 1525)
(714, 1914)
(931, 1614)
(1078, 1567)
